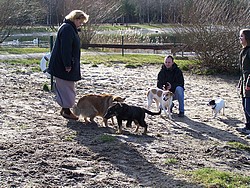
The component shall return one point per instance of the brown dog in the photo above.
(92, 105)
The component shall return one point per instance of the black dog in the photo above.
(123, 111)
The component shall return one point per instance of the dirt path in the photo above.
(39, 148)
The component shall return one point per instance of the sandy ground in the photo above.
(39, 148)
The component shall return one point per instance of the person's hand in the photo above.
(67, 69)
(167, 86)
(247, 88)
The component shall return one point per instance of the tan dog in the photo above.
(163, 99)
(92, 105)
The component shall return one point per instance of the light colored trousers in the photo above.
(65, 92)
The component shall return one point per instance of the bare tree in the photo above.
(5, 28)
(212, 32)
(99, 12)
(16, 13)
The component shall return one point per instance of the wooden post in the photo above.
(122, 45)
(174, 46)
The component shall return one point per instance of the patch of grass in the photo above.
(4, 50)
(94, 65)
(21, 71)
(170, 161)
(130, 60)
(115, 27)
(106, 138)
(36, 69)
(133, 26)
(46, 87)
(109, 27)
(135, 60)
(133, 65)
(22, 61)
(23, 127)
(126, 59)
(215, 178)
(186, 65)
(238, 145)
(70, 137)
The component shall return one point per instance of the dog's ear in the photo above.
(212, 102)
(118, 99)
(170, 93)
(118, 105)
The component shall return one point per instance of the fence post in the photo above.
(122, 45)
(51, 77)
(174, 45)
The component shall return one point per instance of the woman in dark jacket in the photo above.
(244, 82)
(64, 62)
(171, 78)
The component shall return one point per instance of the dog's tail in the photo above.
(152, 113)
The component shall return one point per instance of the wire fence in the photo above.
(34, 43)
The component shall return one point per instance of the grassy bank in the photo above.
(6, 51)
(130, 60)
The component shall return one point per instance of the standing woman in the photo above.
(64, 62)
(244, 82)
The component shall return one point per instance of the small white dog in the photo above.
(217, 105)
(163, 99)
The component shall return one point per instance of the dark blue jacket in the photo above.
(245, 71)
(66, 53)
(173, 75)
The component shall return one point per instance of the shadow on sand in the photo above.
(123, 153)
(204, 131)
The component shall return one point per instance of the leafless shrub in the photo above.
(16, 14)
(87, 33)
(213, 32)
(98, 12)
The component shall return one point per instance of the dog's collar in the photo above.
(214, 106)
(165, 98)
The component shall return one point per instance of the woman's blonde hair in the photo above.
(77, 14)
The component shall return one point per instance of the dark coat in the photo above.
(66, 53)
(173, 75)
(244, 81)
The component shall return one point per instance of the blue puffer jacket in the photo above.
(66, 53)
